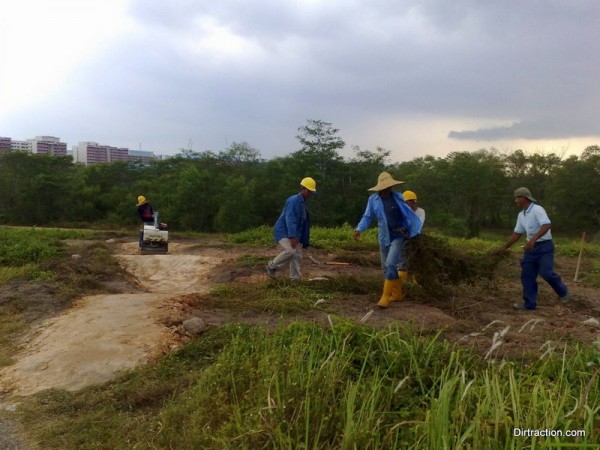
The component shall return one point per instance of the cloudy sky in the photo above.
(415, 77)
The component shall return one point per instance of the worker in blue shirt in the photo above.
(538, 254)
(292, 231)
(397, 223)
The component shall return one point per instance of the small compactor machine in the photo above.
(154, 238)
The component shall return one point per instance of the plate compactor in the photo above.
(154, 238)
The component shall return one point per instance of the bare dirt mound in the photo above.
(105, 334)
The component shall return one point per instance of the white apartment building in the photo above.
(48, 145)
(94, 153)
(20, 146)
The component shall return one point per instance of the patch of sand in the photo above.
(105, 334)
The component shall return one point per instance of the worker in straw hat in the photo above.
(292, 231)
(538, 254)
(397, 223)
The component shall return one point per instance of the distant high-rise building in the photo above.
(20, 146)
(5, 144)
(48, 145)
(94, 153)
(141, 156)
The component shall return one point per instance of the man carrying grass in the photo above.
(538, 255)
(397, 223)
(292, 231)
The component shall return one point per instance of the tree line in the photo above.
(233, 190)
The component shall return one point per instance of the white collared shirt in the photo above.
(420, 212)
(530, 220)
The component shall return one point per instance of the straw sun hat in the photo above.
(384, 181)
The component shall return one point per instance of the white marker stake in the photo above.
(579, 259)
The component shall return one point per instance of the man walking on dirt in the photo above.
(397, 223)
(292, 231)
(538, 255)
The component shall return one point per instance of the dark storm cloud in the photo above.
(528, 66)
(549, 128)
(504, 60)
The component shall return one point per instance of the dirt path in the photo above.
(104, 334)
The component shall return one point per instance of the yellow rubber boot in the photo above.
(397, 291)
(384, 301)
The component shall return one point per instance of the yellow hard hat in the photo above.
(141, 200)
(409, 195)
(309, 184)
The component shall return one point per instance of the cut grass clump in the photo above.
(344, 386)
(437, 265)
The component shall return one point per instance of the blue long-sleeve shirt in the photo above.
(375, 210)
(294, 221)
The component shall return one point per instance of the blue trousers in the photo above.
(539, 261)
(393, 258)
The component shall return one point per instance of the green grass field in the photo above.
(345, 386)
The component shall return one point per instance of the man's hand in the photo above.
(294, 242)
(529, 245)
(356, 235)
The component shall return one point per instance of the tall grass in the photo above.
(343, 387)
(352, 387)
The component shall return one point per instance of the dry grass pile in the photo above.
(437, 265)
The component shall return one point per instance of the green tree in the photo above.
(573, 199)
(36, 189)
(237, 210)
(320, 144)
(240, 153)
(462, 192)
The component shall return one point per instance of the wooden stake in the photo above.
(579, 259)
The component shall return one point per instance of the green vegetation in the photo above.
(464, 193)
(345, 386)
(330, 239)
(23, 251)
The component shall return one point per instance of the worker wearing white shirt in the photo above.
(538, 255)
(411, 198)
